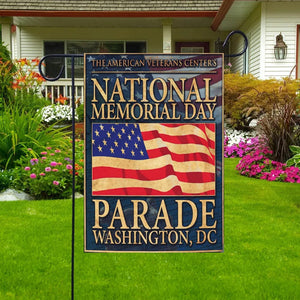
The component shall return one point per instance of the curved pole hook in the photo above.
(62, 68)
(245, 40)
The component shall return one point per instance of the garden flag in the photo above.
(153, 153)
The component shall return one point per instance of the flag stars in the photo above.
(118, 140)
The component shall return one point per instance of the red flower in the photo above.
(61, 99)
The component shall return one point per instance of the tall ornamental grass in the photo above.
(24, 134)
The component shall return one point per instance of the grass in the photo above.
(260, 259)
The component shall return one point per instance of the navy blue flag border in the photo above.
(219, 165)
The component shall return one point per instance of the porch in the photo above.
(60, 92)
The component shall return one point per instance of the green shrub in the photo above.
(295, 160)
(7, 69)
(29, 102)
(237, 108)
(246, 97)
(23, 133)
(4, 53)
(80, 112)
(6, 177)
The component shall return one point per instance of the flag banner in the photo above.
(153, 153)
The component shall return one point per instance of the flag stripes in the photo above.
(180, 161)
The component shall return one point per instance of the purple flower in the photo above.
(44, 153)
(34, 161)
(53, 163)
(55, 182)
(69, 167)
(27, 168)
(32, 176)
(48, 169)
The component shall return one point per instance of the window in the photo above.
(54, 65)
(79, 47)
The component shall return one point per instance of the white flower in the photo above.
(53, 113)
(235, 136)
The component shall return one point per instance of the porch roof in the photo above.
(128, 8)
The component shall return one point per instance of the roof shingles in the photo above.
(112, 5)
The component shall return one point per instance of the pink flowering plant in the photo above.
(49, 176)
(256, 161)
(242, 148)
(257, 164)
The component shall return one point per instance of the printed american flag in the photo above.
(153, 159)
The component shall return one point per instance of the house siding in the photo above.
(32, 37)
(252, 29)
(284, 18)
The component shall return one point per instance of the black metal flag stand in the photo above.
(73, 57)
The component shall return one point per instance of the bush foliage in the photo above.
(295, 160)
(247, 98)
(279, 128)
(6, 76)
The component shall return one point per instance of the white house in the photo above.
(34, 28)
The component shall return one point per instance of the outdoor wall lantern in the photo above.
(280, 49)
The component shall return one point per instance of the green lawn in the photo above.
(261, 259)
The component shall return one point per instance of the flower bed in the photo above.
(50, 176)
(256, 162)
